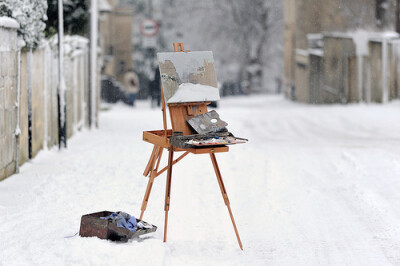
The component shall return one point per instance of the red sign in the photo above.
(149, 27)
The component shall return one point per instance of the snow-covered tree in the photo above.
(30, 14)
(246, 36)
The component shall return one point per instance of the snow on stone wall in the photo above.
(8, 35)
(358, 66)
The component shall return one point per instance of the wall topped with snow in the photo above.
(8, 34)
(10, 23)
(357, 66)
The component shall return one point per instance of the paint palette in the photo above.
(208, 122)
(217, 141)
(205, 140)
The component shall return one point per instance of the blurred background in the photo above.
(246, 39)
(312, 51)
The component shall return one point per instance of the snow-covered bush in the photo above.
(75, 17)
(30, 15)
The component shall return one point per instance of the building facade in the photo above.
(332, 50)
(116, 32)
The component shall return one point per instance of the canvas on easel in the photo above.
(189, 84)
(188, 77)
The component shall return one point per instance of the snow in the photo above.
(20, 43)
(189, 92)
(74, 45)
(390, 35)
(315, 36)
(382, 36)
(17, 131)
(315, 185)
(302, 52)
(104, 6)
(253, 68)
(7, 22)
(316, 52)
(361, 39)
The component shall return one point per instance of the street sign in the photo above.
(149, 42)
(149, 27)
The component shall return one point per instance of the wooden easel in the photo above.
(179, 114)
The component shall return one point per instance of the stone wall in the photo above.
(304, 17)
(384, 87)
(340, 73)
(315, 78)
(302, 93)
(375, 54)
(122, 39)
(8, 99)
(394, 70)
(346, 70)
(39, 84)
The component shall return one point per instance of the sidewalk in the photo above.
(314, 185)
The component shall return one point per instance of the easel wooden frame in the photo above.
(179, 113)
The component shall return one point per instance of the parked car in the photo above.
(111, 90)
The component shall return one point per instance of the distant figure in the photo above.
(293, 92)
(131, 82)
(278, 85)
(155, 88)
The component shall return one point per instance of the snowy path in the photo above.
(316, 185)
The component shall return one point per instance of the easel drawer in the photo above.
(157, 137)
(207, 150)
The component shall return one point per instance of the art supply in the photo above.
(115, 226)
(184, 71)
(208, 122)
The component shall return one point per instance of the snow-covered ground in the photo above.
(315, 185)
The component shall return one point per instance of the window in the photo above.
(380, 11)
(121, 69)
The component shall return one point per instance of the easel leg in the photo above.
(225, 195)
(168, 190)
(156, 157)
(150, 164)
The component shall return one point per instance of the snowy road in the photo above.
(316, 185)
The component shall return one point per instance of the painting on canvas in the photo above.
(188, 77)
